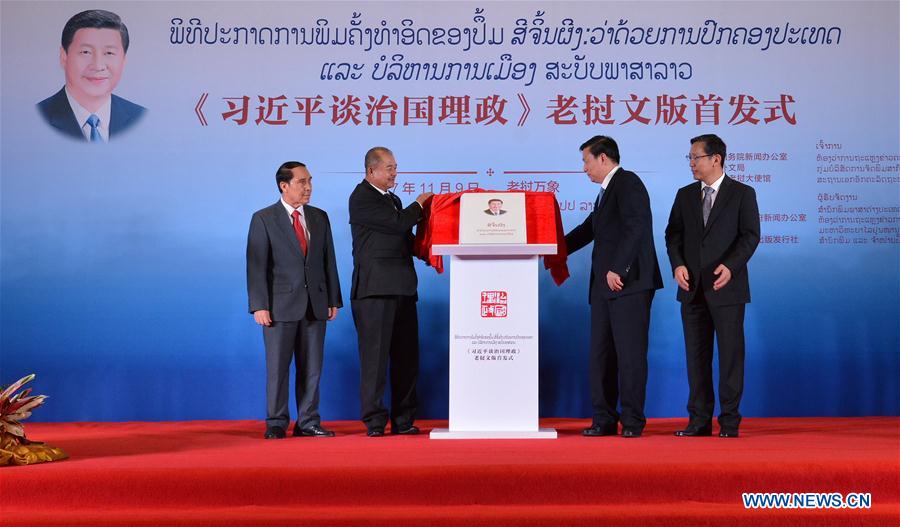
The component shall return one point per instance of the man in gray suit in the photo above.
(293, 287)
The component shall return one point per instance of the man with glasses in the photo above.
(624, 277)
(713, 231)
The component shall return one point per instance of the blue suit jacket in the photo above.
(58, 114)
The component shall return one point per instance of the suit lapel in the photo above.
(726, 192)
(62, 116)
(695, 206)
(312, 225)
(609, 189)
(388, 197)
(605, 198)
(287, 229)
(119, 116)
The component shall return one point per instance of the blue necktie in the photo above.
(599, 197)
(94, 121)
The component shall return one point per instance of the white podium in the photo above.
(494, 341)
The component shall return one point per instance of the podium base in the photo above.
(541, 433)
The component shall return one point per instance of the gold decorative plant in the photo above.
(15, 448)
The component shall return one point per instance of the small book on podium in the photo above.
(492, 218)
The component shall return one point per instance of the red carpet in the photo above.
(224, 473)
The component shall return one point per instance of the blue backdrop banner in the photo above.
(123, 262)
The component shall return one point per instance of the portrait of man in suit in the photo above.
(713, 231)
(93, 56)
(383, 296)
(495, 207)
(624, 277)
(293, 289)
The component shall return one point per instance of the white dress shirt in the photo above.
(609, 177)
(715, 186)
(82, 114)
(386, 192)
(290, 212)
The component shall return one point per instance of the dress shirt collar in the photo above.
(82, 114)
(383, 192)
(609, 177)
(715, 185)
(290, 210)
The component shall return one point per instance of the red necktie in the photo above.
(298, 230)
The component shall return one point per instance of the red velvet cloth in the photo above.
(543, 224)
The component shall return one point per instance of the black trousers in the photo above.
(388, 332)
(618, 359)
(303, 341)
(701, 323)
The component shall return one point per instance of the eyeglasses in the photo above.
(691, 158)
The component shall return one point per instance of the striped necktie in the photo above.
(707, 203)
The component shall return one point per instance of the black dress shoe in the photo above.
(313, 431)
(695, 431)
(410, 430)
(728, 433)
(600, 430)
(274, 432)
(375, 432)
(631, 432)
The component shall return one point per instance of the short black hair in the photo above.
(285, 173)
(373, 156)
(601, 144)
(495, 199)
(94, 19)
(712, 145)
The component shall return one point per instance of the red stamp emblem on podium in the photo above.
(493, 304)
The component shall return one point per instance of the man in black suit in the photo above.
(624, 278)
(92, 55)
(712, 233)
(293, 287)
(495, 207)
(383, 296)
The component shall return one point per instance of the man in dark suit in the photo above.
(624, 278)
(712, 233)
(92, 55)
(293, 287)
(383, 296)
(495, 207)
